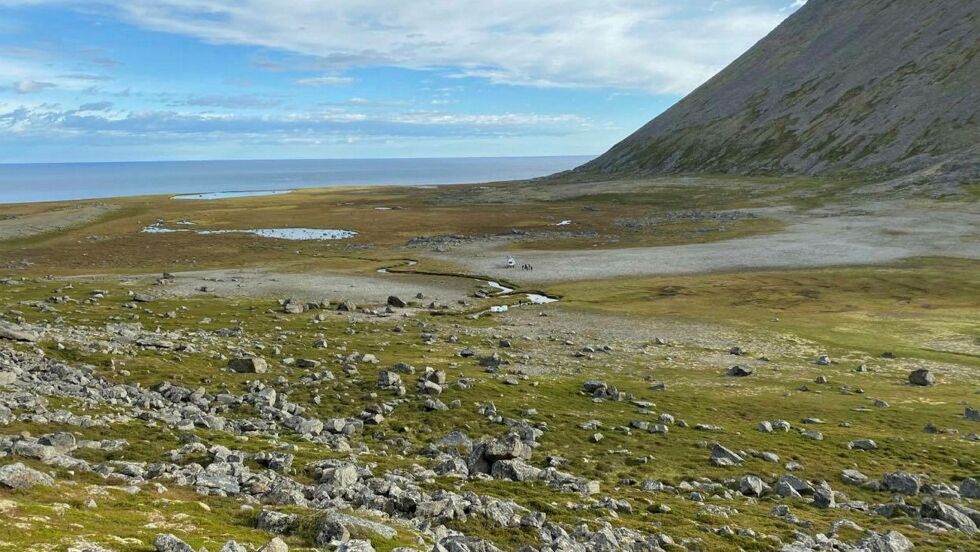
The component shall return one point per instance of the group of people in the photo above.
(526, 266)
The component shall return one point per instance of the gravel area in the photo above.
(875, 233)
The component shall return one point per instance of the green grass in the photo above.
(853, 314)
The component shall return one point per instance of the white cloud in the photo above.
(100, 118)
(653, 45)
(326, 80)
(29, 86)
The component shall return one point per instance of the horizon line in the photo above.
(148, 161)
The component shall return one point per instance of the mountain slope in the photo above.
(876, 87)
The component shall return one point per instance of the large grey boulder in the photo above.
(356, 545)
(19, 476)
(922, 377)
(970, 488)
(890, 541)
(275, 545)
(740, 371)
(722, 456)
(17, 333)
(514, 470)
(279, 523)
(934, 509)
(329, 532)
(751, 485)
(508, 447)
(248, 365)
(901, 482)
(169, 543)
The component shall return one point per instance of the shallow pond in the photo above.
(226, 195)
(318, 234)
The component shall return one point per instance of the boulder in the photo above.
(934, 509)
(394, 301)
(922, 377)
(275, 545)
(721, 456)
(17, 333)
(751, 485)
(862, 444)
(248, 365)
(485, 454)
(970, 488)
(19, 476)
(356, 545)
(170, 543)
(740, 371)
(890, 541)
(329, 532)
(823, 497)
(901, 482)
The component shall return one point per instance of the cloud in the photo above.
(105, 62)
(99, 119)
(326, 80)
(96, 106)
(231, 102)
(29, 86)
(651, 45)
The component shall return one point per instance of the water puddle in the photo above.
(225, 195)
(317, 234)
(539, 299)
(503, 289)
(406, 263)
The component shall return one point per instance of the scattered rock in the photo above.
(248, 365)
(922, 377)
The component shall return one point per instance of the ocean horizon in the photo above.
(36, 182)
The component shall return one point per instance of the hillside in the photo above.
(884, 88)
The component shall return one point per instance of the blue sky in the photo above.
(264, 79)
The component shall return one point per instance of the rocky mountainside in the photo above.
(881, 88)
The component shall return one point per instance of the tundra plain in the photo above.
(731, 363)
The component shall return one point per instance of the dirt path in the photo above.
(314, 287)
(23, 226)
(870, 234)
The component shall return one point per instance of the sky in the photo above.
(135, 80)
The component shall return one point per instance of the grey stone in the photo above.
(901, 482)
(17, 333)
(890, 541)
(934, 509)
(19, 476)
(970, 488)
(740, 371)
(169, 543)
(248, 365)
(922, 377)
(722, 456)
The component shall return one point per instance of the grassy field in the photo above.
(852, 314)
(388, 217)
(924, 312)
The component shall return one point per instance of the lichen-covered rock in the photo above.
(19, 476)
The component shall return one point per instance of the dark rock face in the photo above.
(873, 87)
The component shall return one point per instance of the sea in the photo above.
(21, 183)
